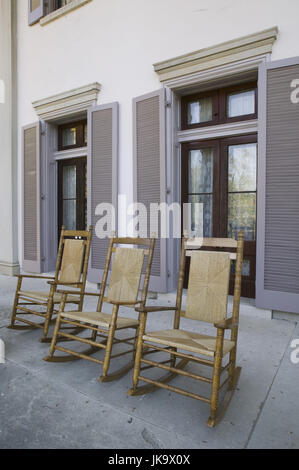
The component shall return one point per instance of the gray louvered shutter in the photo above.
(31, 199)
(102, 176)
(150, 169)
(36, 10)
(277, 286)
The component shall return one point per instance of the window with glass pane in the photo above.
(200, 190)
(241, 104)
(72, 135)
(200, 111)
(245, 267)
(242, 190)
(69, 197)
(56, 4)
(219, 106)
(69, 137)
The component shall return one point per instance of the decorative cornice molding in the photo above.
(73, 5)
(247, 67)
(67, 103)
(243, 48)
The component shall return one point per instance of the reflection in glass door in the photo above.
(199, 181)
(69, 196)
(200, 189)
(72, 194)
(242, 190)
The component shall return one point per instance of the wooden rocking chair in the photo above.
(71, 270)
(125, 280)
(207, 297)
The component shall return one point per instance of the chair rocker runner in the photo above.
(125, 283)
(71, 270)
(207, 298)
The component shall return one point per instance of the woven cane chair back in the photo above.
(130, 266)
(208, 286)
(72, 261)
(73, 255)
(209, 277)
(126, 275)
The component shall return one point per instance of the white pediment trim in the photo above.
(241, 49)
(67, 103)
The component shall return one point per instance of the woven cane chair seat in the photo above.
(100, 319)
(189, 341)
(43, 296)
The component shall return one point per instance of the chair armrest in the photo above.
(58, 283)
(116, 302)
(32, 276)
(228, 324)
(77, 292)
(154, 309)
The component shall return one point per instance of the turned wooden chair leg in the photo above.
(16, 301)
(94, 334)
(49, 312)
(136, 338)
(232, 368)
(80, 304)
(54, 339)
(57, 325)
(109, 342)
(216, 378)
(173, 358)
(138, 354)
(232, 359)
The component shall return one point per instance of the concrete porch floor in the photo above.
(58, 406)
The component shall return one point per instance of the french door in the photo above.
(72, 194)
(221, 175)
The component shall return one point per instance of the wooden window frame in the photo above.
(223, 95)
(80, 126)
(54, 5)
(219, 106)
(190, 99)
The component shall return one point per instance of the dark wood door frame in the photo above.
(220, 196)
(80, 164)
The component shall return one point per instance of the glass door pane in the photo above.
(241, 104)
(69, 137)
(200, 111)
(242, 190)
(69, 191)
(200, 188)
